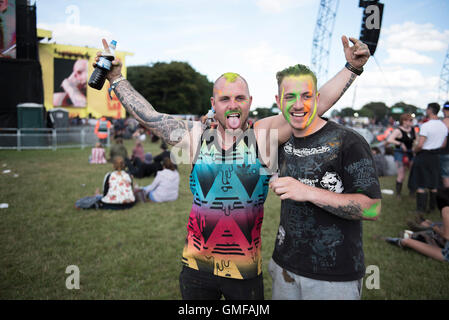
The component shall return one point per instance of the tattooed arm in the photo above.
(168, 128)
(349, 206)
(346, 206)
(335, 88)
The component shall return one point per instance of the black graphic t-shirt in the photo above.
(312, 242)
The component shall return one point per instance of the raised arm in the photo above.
(172, 130)
(357, 56)
(165, 126)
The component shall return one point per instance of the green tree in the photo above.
(173, 88)
(406, 108)
(261, 113)
(347, 112)
(376, 110)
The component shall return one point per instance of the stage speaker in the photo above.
(371, 23)
(26, 35)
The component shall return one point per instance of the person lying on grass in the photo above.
(431, 250)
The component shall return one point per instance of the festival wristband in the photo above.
(353, 69)
(114, 84)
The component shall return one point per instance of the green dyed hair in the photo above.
(296, 70)
(231, 77)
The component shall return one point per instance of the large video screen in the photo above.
(70, 80)
(8, 29)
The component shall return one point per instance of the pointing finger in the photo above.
(105, 44)
(345, 42)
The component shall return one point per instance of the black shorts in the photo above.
(199, 285)
(443, 198)
(426, 170)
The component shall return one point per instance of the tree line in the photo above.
(177, 88)
(173, 88)
(379, 111)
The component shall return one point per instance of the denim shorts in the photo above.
(399, 154)
(444, 165)
(290, 286)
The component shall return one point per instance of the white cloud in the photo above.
(391, 86)
(263, 57)
(413, 36)
(261, 62)
(406, 56)
(406, 42)
(278, 6)
(76, 34)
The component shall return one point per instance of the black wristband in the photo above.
(353, 69)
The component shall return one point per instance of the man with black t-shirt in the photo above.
(328, 185)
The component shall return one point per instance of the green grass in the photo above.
(136, 254)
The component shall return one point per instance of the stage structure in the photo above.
(65, 72)
(322, 38)
(371, 23)
(443, 94)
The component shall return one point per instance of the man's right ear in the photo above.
(278, 102)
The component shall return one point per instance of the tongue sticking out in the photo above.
(233, 122)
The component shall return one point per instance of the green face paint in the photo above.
(231, 111)
(230, 76)
(286, 114)
(372, 211)
(298, 86)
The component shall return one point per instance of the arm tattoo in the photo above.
(348, 84)
(351, 211)
(167, 127)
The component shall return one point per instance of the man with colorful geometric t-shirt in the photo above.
(328, 185)
(222, 255)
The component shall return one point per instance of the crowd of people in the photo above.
(324, 174)
(426, 152)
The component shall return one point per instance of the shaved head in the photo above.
(230, 77)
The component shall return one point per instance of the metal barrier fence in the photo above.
(43, 138)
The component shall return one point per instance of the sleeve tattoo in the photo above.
(348, 84)
(165, 126)
(351, 211)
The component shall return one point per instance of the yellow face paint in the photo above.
(230, 76)
(297, 86)
(312, 116)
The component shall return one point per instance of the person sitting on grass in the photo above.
(432, 251)
(165, 186)
(138, 151)
(117, 188)
(98, 154)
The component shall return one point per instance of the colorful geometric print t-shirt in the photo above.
(312, 242)
(229, 189)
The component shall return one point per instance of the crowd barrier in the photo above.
(47, 138)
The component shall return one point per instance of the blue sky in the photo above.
(256, 38)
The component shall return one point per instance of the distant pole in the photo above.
(444, 80)
(322, 38)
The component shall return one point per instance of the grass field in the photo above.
(136, 254)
